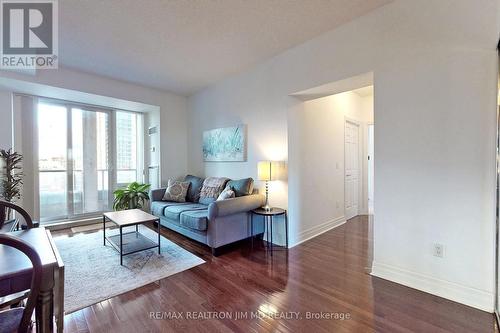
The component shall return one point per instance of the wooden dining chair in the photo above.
(21, 220)
(19, 319)
(10, 224)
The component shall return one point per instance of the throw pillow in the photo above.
(212, 187)
(176, 191)
(193, 194)
(241, 187)
(226, 194)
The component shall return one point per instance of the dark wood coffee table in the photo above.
(133, 241)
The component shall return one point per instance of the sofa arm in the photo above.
(235, 205)
(157, 195)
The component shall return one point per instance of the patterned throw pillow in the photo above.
(212, 187)
(226, 194)
(176, 191)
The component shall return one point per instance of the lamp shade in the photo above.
(264, 170)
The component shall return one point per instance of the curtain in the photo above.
(24, 115)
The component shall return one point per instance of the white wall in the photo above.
(435, 69)
(173, 109)
(265, 138)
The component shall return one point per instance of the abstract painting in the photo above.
(225, 144)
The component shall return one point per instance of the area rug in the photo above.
(93, 272)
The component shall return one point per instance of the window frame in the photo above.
(139, 170)
(112, 157)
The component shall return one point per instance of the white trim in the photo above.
(367, 162)
(317, 230)
(72, 223)
(476, 298)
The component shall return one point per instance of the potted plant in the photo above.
(11, 180)
(135, 195)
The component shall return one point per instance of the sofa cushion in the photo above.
(158, 207)
(212, 187)
(196, 219)
(173, 212)
(241, 187)
(195, 184)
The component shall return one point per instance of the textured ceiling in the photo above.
(185, 45)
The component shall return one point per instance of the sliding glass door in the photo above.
(77, 147)
(53, 161)
(73, 151)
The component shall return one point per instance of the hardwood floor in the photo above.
(327, 274)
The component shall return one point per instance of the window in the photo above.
(126, 147)
(75, 158)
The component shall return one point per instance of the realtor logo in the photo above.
(29, 34)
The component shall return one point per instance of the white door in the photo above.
(351, 179)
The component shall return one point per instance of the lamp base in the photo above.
(267, 208)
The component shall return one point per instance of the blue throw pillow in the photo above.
(193, 194)
(241, 187)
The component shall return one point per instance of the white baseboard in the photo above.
(476, 298)
(317, 230)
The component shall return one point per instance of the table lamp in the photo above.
(265, 173)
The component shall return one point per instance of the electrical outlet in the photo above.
(438, 250)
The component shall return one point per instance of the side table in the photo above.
(269, 219)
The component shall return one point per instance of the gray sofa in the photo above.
(216, 224)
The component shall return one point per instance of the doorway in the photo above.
(327, 125)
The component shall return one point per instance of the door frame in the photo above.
(497, 222)
(370, 161)
(360, 164)
(496, 299)
(496, 308)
